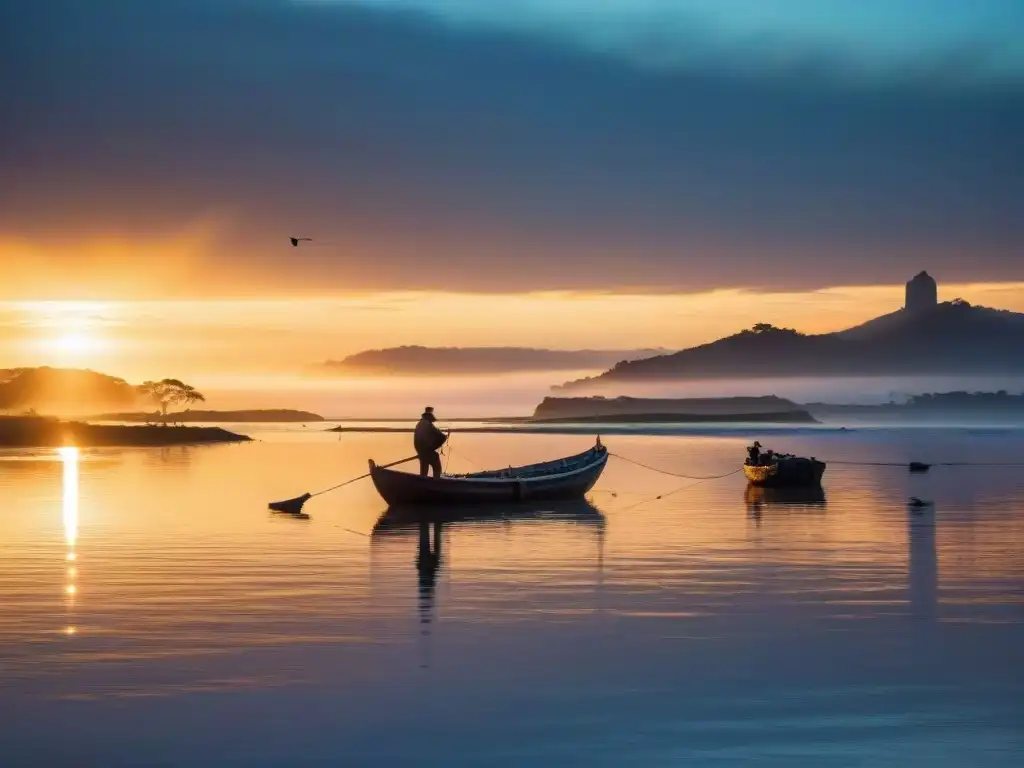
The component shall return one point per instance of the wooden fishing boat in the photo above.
(567, 478)
(786, 472)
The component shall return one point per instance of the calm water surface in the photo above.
(154, 612)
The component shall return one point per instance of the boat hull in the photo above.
(789, 473)
(402, 488)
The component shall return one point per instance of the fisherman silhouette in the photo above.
(297, 240)
(427, 438)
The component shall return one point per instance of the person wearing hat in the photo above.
(427, 438)
(754, 454)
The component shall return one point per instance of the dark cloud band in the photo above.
(427, 156)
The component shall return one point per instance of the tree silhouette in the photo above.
(170, 392)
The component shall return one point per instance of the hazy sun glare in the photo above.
(75, 343)
(146, 339)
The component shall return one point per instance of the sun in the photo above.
(73, 346)
(75, 343)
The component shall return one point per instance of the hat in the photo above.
(428, 413)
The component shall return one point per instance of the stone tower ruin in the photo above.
(922, 294)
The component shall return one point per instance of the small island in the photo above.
(52, 388)
(50, 432)
(585, 410)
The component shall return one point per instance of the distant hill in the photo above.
(447, 361)
(58, 390)
(754, 409)
(950, 338)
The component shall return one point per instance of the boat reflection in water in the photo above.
(431, 524)
(759, 499)
(922, 566)
(399, 518)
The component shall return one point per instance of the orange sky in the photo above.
(141, 339)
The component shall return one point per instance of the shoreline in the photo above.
(41, 432)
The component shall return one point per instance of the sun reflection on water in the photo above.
(69, 503)
(69, 460)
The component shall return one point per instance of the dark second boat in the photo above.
(567, 478)
(786, 472)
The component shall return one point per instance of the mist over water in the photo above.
(517, 394)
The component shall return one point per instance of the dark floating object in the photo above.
(296, 240)
(568, 478)
(290, 506)
(786, 471)
(918, 467)
(916, 503)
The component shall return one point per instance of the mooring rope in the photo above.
(339, 485)
(462, 456)
(675, 491)
(674, 474)
(697, 480)
(927, 463)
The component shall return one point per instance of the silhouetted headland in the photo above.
(63, 389)
(923, 338)
(47, 432)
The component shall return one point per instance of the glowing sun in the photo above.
(74, 345)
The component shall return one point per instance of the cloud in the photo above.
(851, 37)
(426, 155)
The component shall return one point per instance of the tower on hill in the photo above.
(922, 294)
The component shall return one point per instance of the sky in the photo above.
(495, 172)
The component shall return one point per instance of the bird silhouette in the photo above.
(297, 240)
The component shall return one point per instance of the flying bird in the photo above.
(296, 240)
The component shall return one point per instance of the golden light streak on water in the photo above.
(69, 504)
(69, 459)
